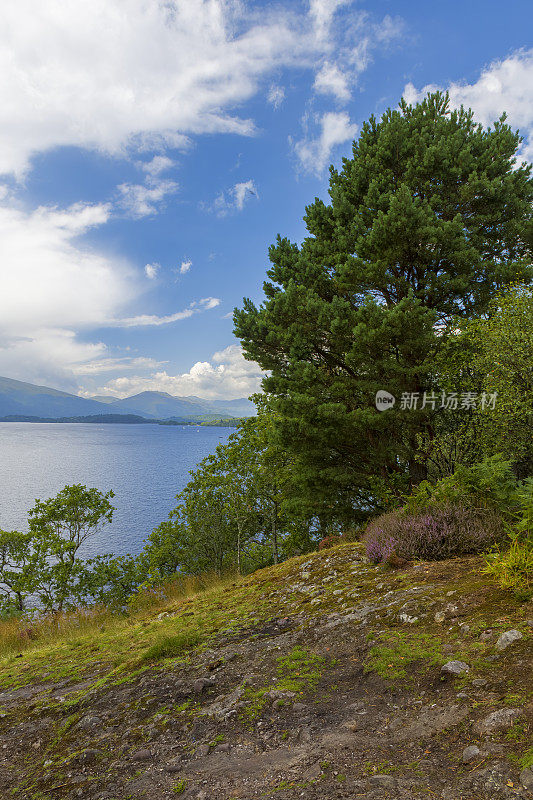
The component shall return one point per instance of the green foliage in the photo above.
(490, 354)
(513, 567)
(489, 483)
(235, 513)
(44, 563)
(427, 220)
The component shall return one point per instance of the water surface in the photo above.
(145, 465)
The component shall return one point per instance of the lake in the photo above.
(145, 465)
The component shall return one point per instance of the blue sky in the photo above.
(150, 153)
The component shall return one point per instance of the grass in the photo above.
(172, 646)
(397, 649)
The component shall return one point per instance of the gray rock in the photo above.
(526, 778)
(479, 682)
(201, 684)
(383, 781)
(498, 721)
(141, 755)
(203, 750)
(470, 753)
(508, 638)
(454, 668)
(89, 722)
(486, 635)
(89, 756)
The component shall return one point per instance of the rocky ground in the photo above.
(339, 680)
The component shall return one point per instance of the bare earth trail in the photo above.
(321, 678)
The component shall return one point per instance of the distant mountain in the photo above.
(18, 398)
(161, 405)
(104, 398)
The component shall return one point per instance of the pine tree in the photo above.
(426, 221)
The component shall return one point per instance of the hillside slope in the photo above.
(319, 678)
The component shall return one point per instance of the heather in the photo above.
(435, 534)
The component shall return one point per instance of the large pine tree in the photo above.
(429, 218)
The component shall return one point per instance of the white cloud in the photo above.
(314, 154)
(234, 199)
(56, 289)
(242, 192)
(157, 165)
(139, 200)
(226, 376)
(120, 77)
(276, 95)
(504, 85)
(151, 270)
(99, 366)
(185, 266)
(330, 80)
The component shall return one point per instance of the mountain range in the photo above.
(20, 398)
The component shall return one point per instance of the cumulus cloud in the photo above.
(227, 375)
(143, 75)
(330, 80)
(185, 266)
(151, 270)
(234, 199)
(504, 85)
(334, 129)
(56, 289)
(143, 200)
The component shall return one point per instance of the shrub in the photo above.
(513, 568)
(489, 483)
(437, 533)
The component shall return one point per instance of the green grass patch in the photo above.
(398, 649)
(172, 646)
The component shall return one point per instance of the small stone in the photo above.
(225, 747)
(470, 753)
(299, 707)
(88, 756)
(439, 617)
(479, 682)
(454, 668)
(486, 635)
(498, 721)
(407, 619)
(201, 684)
(141, 755)
(464, 628)
(508, 638)
(529, 622)
(526, 778)
(203, 750)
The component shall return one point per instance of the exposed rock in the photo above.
(498, 721)
(384, 781)
(454, 668)
(141, 755)
(470, 753)
(526, 778)
(201, 684)
(508, 638)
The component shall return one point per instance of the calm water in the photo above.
(145, 465)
